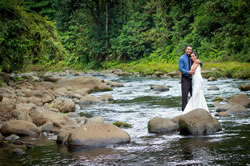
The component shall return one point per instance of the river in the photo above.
(136, 104)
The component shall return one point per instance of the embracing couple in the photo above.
(191, 81)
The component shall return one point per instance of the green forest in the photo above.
(94, 34)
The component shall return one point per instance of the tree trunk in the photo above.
(107, 26)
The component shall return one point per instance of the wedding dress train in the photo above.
(197, 100)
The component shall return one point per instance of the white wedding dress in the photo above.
(197, 100)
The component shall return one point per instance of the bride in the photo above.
(197, 100)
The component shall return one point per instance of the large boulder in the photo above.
(231, 108)
(245, 87)
(161, 125)
(97, 134)
(40, 116)
(37, 116)
(19, 127)
(91, 83)
(241, 99)
(198, 122)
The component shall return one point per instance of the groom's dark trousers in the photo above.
(186, 87)
(186, 78)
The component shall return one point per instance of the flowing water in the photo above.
(136, 104)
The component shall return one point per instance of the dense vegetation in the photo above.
(91, 33)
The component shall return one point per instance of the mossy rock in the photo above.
(218, 98)
(84, 114)
(149, 126)
(96, 89)
(183, 127)
(122, 124)
(19, 78)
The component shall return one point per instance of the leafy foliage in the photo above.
(94, 32)
(26, 38)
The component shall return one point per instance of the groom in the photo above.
(186, 75)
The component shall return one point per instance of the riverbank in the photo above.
(218, 69)
(146, 67)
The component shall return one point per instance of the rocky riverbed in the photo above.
(57, 105)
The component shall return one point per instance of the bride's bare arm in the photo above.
(195, 65)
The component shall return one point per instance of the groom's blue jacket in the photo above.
(184, 65)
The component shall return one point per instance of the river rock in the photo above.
(18, 151)
(21, 100)
(218, 99)
(25, 107)
(245, 87)
(30, 76)
(47, 127)
(214, 87)
(160, 88)
(231, 108)
(6, 111)
(120, 72)
(45, 85)
(35, 100)
(21, 115)
(12, 137)
(113, 84)
(223, 114)
(175, 73)
(198, 122)
(97, 119)
(89, 99)
(7, 92)
(64, 104)
(51, 77)
(91, 83)
(40, 116)
(212, 79)
(64, 133)
(19, 127)
(97, 134)
(241, 99)
(161, 125)
(158, 73)
(47, 98)
(106, 97)
(73, 115)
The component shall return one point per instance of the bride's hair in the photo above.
(195, 54)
